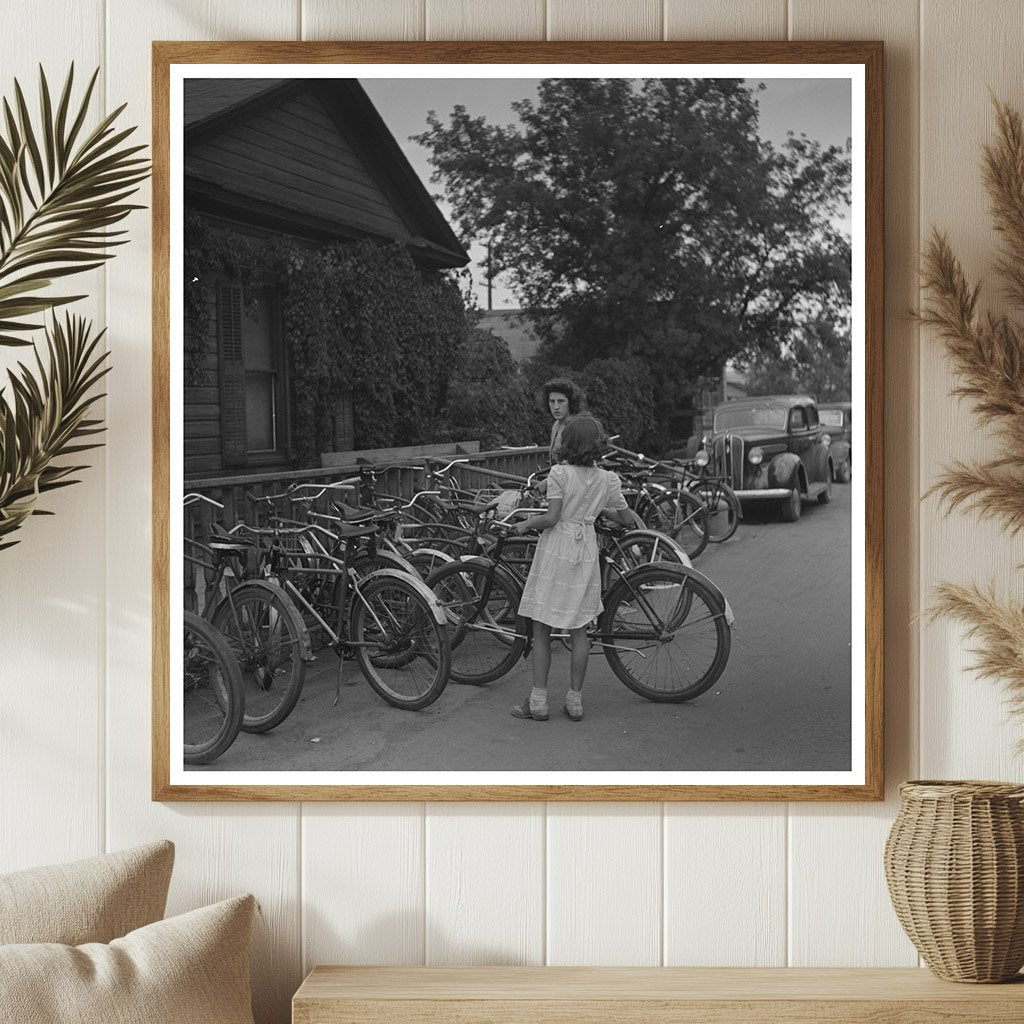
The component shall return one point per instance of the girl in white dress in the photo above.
(563, 589)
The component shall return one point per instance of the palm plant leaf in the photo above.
(46, 419)
(62, 190)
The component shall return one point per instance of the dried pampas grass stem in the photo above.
(987, 354)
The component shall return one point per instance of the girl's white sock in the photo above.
(574, 699)
(538, 699)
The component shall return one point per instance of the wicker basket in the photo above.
(954, 861)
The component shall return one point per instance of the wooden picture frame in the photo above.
(862, 64)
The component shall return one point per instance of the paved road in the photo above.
(783, 702)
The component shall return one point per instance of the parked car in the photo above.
(835, 418)
(773, 448)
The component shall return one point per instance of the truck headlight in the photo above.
(755, 457)
(702, 458)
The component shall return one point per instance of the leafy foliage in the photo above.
(816, 361)
(487, 399)
(59, 200)
(649, 220)
(61, 193)
(47, 420)
(359, 318)
(620, 393)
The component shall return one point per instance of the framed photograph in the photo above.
(517, 421)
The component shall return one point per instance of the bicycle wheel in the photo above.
(665, 634)
(214, 699)
(682, 516)
(485, 640)
(723, 509)
(403, 651)
(264, 630)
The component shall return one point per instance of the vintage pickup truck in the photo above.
(773, 448)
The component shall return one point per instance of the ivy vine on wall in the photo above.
(359, 317)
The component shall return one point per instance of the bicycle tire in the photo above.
(682, 516)
(676, 667)
(212, 690)
(723, 509)
(485, 644)
(402, 650)
(264, 629)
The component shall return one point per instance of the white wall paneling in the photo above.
(966, 52)
(52, 621)
(363, 892)
(605, 19)
(485, 19)
(510, 883)
(725, 885)
(835, 856)
(382, 19)
(726, 19)
(485, 883)
(605, 884)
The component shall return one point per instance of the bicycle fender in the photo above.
(486, 563)
(435, 606)
(395, 561)
(730, 617)
(663, 538)
(305, 645)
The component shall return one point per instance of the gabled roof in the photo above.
(362, 187)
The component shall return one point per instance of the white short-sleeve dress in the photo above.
(564, 585)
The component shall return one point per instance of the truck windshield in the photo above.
(773, 416)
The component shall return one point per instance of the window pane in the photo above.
(259, 412)
(258, 334)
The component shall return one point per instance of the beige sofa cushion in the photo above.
(190, 969)
(92, 900)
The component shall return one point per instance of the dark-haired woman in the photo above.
(564, 399)
(563, 590)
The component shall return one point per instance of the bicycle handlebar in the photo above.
(347, 486)
(438, 472)
(191, 499)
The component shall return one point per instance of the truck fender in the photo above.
(784, 471)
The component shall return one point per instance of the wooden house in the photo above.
(307, 158)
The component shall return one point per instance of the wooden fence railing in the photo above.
(483, 470)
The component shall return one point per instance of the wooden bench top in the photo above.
(595, 995)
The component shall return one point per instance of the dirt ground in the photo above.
(783, 703)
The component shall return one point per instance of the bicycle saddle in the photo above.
(356, 516)
(349, 530)
(221, 540)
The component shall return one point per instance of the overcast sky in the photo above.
(818, 108)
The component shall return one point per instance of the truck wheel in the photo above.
(826, 495)
(844, 474)
(791, 506)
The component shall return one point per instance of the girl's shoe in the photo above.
(573, 708)
(524, 711)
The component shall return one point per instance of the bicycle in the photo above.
(386, 618)
(665, 629)
(213, 692)
(258, 620)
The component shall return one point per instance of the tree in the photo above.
(816, 361)
(649, 220)
(487, 399)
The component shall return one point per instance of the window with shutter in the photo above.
(253, 387)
